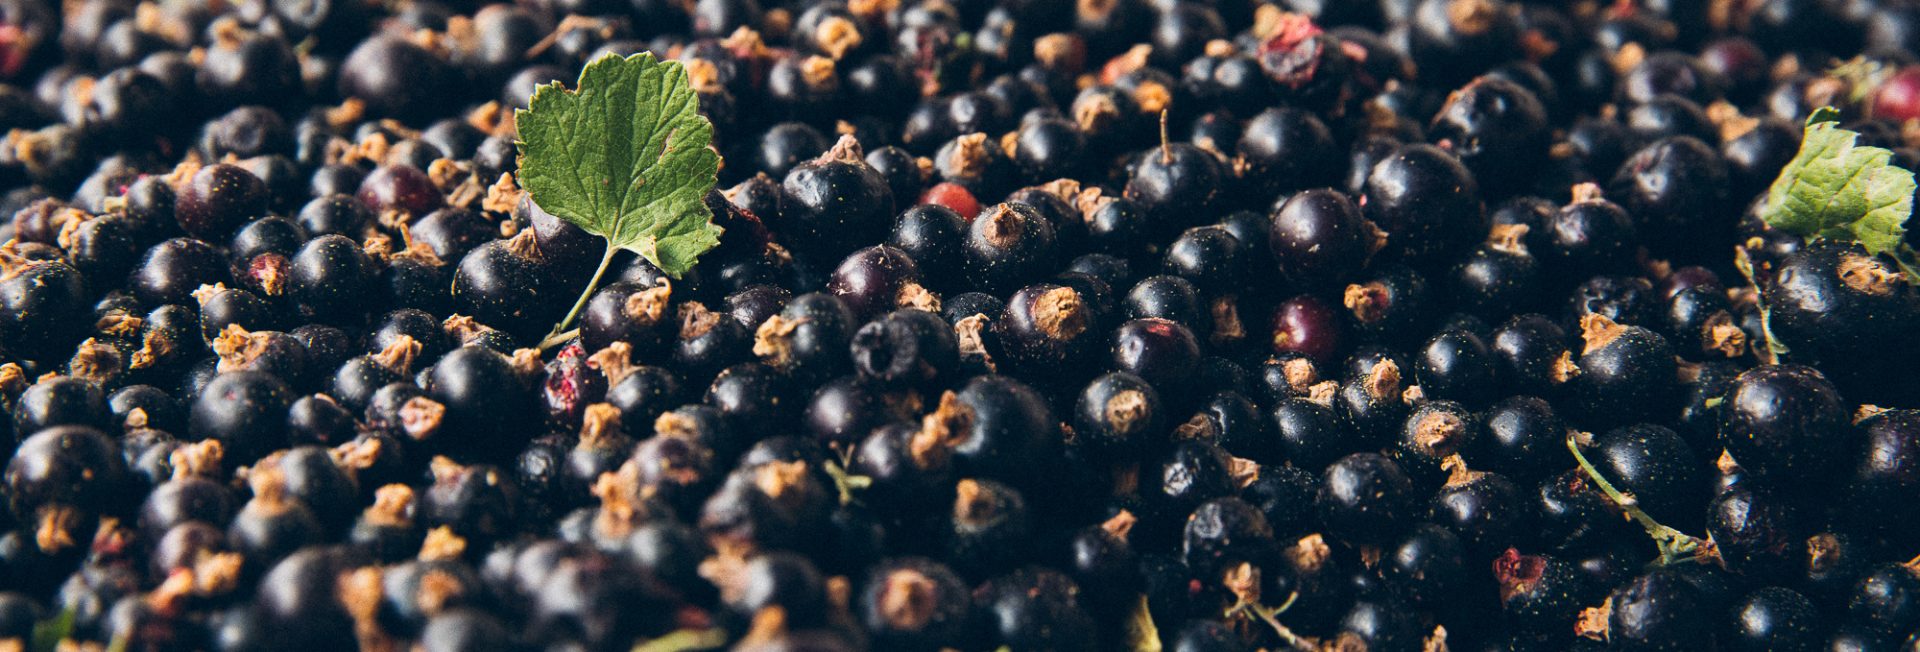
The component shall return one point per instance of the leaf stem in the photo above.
(559, 333)
(1675, 546)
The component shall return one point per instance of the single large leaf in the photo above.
(1837, 189)
(625, 156)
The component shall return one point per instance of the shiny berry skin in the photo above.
(1774, 618)
(1426, 201)
(1306, 325)
(1286, 149)
(809, 337)
(1174, 180)
(1539, 593)
(1759, 532)
(834, 199)
(1366, 497)
(1786, 422)
(394, 77)
(39, 304)
(876, 279)
(245, 410)
(1320, 236)
(1675, 190)
(1457, 364)
(1006, 246)
(1523, 435)
(503, 283)
(930, 234)
(1623, 373)
(1162, 352)
(1011, 432)
(1660, 610)
(399, 187)
(487, 406)
(1497, 128)
(1833, 301)
(1117, 415)
(1657, 467)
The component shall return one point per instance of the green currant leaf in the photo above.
(626, 156)
(1839, 190)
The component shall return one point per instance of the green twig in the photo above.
(1675, 546)
(560, 333)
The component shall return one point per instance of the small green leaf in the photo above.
(626, 156)
(1838, 190)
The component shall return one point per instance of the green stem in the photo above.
(559, 332)
(1675, 546)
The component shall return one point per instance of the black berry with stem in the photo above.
(986, 519)
(1540, 593)
(1624, 373)
(1007, 245)
(1656, 467)
(1486, 510)
(1044, 326)
(1833, 301)
(914, 603)
(1392, 304)
(1117, 414)
(1499, 277)
(1309, 434)
(639, 316)
(835, 198)
(1589, 234)
(1434, 431)
(809, 337)
(1701, 322)
(504, 283)
(709, 341)
(1173, 179)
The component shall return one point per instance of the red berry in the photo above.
(1898, 98)
(953, 196)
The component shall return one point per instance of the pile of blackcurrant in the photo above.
(1036, 325)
